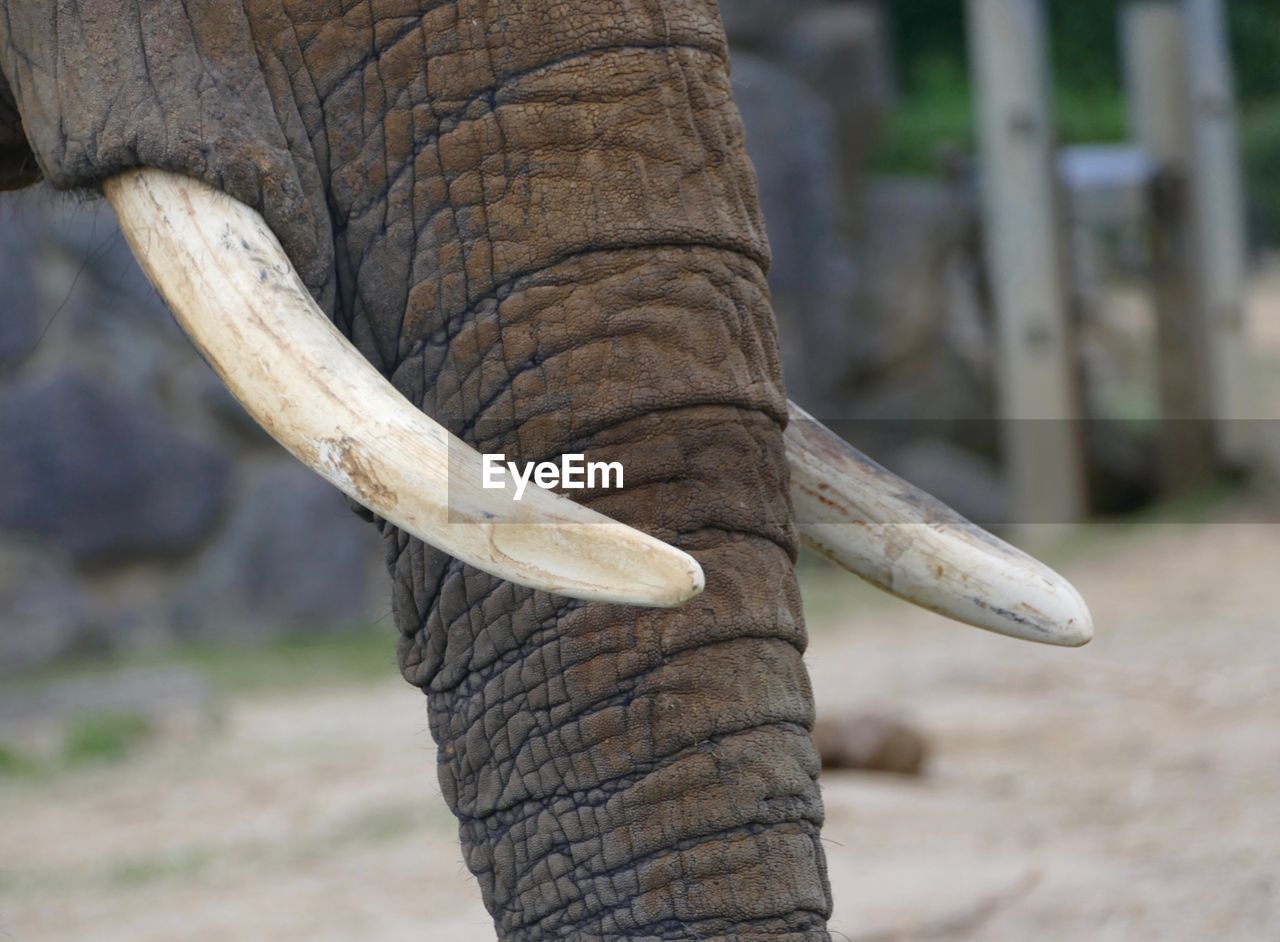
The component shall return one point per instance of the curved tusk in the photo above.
(900, 539)
(232, 288)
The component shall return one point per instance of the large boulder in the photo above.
(43, 613)
(870, 742)
(812, 82)
(912, 232)
(842, 51)
(104, 475)
(957, 476)
(19, 315)
(293, 557)
(756, 24)
(790, 133)
(142, 501)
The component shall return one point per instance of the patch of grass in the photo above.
(363, 656)
(87, 739)
(1203, 505)
(104, 737)
(360, 656)
(140, 871)
(15, 763)
(377, 825)
(831, 595)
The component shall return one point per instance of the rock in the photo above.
(119, 449)
(116, 327)
(1124, 473)
(96, 312)
(922, 367)
(218, 402)
(755, 24)
(791, 140)
(20, 317)
(870, 743)
(43, 614)
(292, 557)
(842, 51)
(931, 420)
(911, 229)
(956, 476)
(105, 476)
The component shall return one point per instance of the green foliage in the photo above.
(1085, 42)
(1260, 141)
(1255, 45)
(1090, 116)
(104, 737)
(937, 117)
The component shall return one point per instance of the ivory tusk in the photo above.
(232, 288)
(905, 542)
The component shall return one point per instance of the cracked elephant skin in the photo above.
(537, 218)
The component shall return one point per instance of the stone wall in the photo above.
(876, 281)
(139, 504)
(813, 84)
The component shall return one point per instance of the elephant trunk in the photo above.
(566, 256)
(617, 772)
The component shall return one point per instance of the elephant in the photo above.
(407, 232)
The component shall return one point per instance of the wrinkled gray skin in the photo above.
(537, 218)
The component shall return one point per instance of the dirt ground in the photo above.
(1126, 791)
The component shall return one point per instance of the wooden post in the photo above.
(1156, 79)
(1217, 198)
(1158, 84)
(1039, 399)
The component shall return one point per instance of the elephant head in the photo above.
(534, 222)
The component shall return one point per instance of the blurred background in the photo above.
(1026, 255)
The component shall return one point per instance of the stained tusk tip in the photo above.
(898, 538)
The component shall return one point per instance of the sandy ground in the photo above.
(1125, 791)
